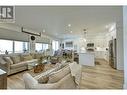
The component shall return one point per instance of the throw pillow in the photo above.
(38, 56)
(15, 59)
(43, 79)
(26, 58)
(8, 59)
(59, 74)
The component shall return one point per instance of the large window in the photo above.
(38, 46)
(20, 47)
(55, 45)
(44, 46)
(13, 46)
(6, 45)
(41, 47)
(25, 46)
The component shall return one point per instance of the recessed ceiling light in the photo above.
(43, 31)
(70, 31)
(69, 25)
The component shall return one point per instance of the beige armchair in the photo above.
(65, 83)
(62, 77)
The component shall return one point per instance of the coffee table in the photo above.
(32, 65)
(36, 67)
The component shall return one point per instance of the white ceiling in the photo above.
(56, 18)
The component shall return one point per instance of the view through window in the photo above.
(13, 46)
(38, 46)
(55, 45)
(20, 47)
(41, 47)
(6, 45)
(45, 46)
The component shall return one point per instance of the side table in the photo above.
(3, 79)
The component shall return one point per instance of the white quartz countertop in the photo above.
(87, 53)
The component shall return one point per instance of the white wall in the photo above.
(13, 32)
(12, 35)
(125, 45)
(119, 41)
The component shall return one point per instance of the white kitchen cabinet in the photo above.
(102, 55)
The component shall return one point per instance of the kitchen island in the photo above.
(87, 58)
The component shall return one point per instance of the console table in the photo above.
(3, 79)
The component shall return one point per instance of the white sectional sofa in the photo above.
(14, 63)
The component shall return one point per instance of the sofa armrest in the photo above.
(5, 67)
(29, 81)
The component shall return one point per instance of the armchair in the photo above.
(65, 83)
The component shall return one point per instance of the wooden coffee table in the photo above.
(36, 67)
(39, 68)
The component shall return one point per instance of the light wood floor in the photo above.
(101, 76)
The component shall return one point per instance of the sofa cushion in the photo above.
(38, 55)
(15, 59)
(33, 55)
(31, 61)
(56, 76)
(9, 60)
(2, 61)
(25, 57)
(18, 65)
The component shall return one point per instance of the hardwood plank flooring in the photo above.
(101, 76)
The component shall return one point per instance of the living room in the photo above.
(63, 47)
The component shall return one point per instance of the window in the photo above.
(38, 46)
(45, 46)
(55, 45)
(20, 47)
(25, 46)
(6, 45)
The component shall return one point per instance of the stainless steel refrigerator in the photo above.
(112, 53)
